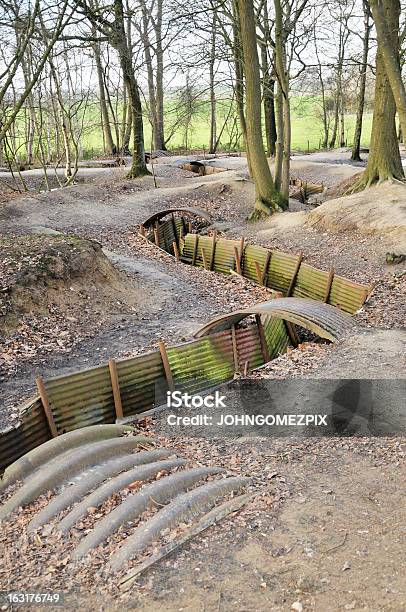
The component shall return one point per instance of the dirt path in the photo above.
(336, 544)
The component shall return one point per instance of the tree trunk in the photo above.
(384, 159)
(355, 155)
(120, 42)
(213, 117)
(267, 198)
(283, 78)
(279, 136)
(268, 88)
(109, 146)
(386, 17)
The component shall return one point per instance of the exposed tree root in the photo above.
(138, 173)
(364, 182)
(263, 210)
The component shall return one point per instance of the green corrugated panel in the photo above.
(253, 253)
(142, 382)
(224, 258)
(310, 283)
(206, 243)
(276, 335)
(347, 295)
(189, 247)
(203, 363)
(281, 269)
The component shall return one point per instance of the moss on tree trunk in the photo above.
(384, 161)
(267, 198)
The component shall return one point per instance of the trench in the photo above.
(316, 300)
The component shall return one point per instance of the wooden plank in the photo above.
(204, 257)
(237, 261)
(291, 329)
(329, 283)
(195, 250)
(259, 272)
(142, 230)
(213, 250)
(266, 266)
(262, 339)
(295, 273)
(156, 236)
(235, 350)
(116, 389)
(45, 404)
(166, 364)
(175, 230)
(242, 242)
(176, 250)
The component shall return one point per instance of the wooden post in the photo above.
(213, 250)
(267, 260)
(45, 404)
(292, 282)
(116, 389)
(190, 227)
(156, 236)
(142, 230)
(175, 231)
(329, 284)
(237, 261)
(291, 329)
(176, 250)
(235, 350)
(259, 273)
(166, 364)
(204, 257)
(262, 339)
(246, 365)
(241, 252)
(195, 250)
(184, 228)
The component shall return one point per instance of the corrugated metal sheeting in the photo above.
(279, 271)
(31, 431)
(86, 398)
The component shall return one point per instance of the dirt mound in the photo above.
(378, 210)
(42, 275)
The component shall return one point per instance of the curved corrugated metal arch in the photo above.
(194, 212)
(327, 321)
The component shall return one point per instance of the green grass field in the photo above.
(307, 130)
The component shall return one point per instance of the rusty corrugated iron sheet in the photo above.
(140, 378)
(86, 398)
(31, 431)
(193, 212)
(81, 399)
(325, 320)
